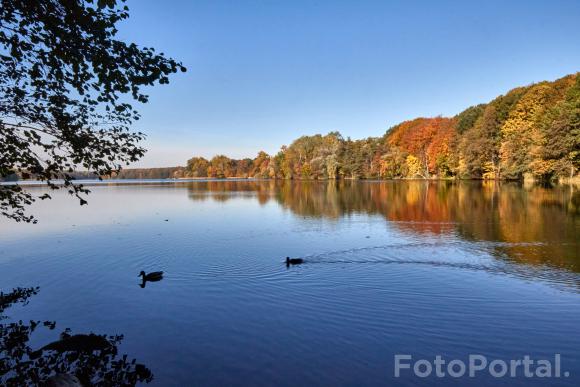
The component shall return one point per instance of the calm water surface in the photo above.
(419, 268)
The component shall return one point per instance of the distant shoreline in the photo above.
(575, 180)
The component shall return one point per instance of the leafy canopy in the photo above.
(66, 88)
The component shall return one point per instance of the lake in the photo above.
(423, 268)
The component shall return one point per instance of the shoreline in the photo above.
(567, 181)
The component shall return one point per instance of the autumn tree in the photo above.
(393, 164)
(220, 166)
(427, 140)
(243, 167)
(479, 147)
(261, 165)
(197, 167)
(559, 152)
(520, 130)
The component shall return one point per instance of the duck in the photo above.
(151, 277)
(294, 261)
(154, 276)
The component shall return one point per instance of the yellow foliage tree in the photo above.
(414, 166)
(521, 133)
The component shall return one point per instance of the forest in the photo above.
(146, 173)
(531, 131)
(128, 173)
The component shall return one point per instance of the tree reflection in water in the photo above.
(20, 365)
(527, 223)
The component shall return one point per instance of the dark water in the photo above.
(420, 268)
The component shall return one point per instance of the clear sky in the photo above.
(262, 73)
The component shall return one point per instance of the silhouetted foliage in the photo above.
(93, 359)
(66, 84)
(17, 295)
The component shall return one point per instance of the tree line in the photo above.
(530, 131)
(129, 173)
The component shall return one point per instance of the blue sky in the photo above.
(262, 73)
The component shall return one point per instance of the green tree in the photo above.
(467, 118)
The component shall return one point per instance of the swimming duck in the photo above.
(151, 277)
(293, 261)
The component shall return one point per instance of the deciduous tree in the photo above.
(66, 88)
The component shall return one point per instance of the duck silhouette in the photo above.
(293, 261)
(154, 276)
